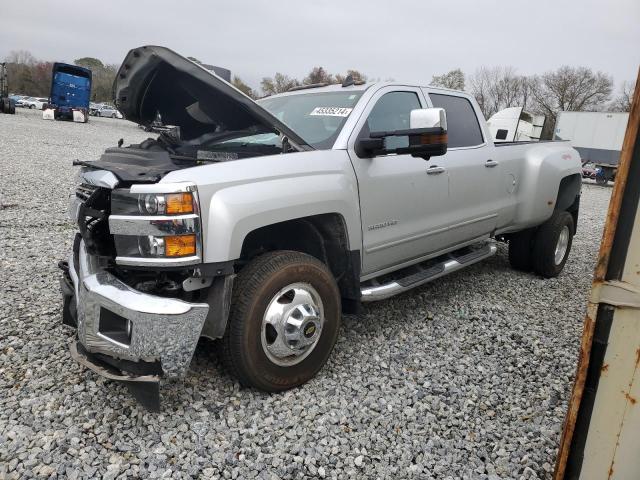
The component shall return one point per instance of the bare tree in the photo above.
(453, 79)
(622, 103)
(574, 89)
(243, 87)
(496, 88)
(278, 84)
(21, 57)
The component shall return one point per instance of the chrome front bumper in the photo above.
(164, 330)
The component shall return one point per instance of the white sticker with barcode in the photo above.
(331, 111)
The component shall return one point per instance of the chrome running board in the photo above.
(449, 264)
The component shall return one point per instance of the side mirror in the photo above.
(426, 137)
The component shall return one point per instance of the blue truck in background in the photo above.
(70, 91)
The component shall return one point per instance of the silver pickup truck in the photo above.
(259, 223)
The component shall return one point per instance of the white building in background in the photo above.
(513, 124)
(597, 136)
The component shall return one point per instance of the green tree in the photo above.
(89, 62)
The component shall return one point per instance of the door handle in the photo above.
(434, 170)
(490, 163)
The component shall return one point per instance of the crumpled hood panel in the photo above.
(154, 80)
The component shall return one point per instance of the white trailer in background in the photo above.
(513, 124)
(597, 136)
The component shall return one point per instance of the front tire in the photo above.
(552, 244)
(284, 321)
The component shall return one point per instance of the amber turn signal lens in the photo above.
(180, 245)
(433, 139)
(178, 203)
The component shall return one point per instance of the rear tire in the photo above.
(521, 250)
(280, 354)
(552, 244)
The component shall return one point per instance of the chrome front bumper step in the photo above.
(160, 329)
(449, 264)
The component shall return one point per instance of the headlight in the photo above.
(170, 246)
(169, 204)
(127, 203)
(156, 225)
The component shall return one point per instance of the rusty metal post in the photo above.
(605, 384)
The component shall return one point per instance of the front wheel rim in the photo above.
(292, 324)
(562, 245)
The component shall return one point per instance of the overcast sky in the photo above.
(404, 40)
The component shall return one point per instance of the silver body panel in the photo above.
(395, 212)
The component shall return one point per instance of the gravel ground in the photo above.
(467, 378)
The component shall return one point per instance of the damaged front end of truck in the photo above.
(136, 286)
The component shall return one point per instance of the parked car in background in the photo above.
(35, 102)
(21, 100)
(16, 98)
(108, 111)
(94, 107)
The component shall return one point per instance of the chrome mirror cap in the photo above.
(428, 118)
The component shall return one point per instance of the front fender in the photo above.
(236, 211)
(240, 196)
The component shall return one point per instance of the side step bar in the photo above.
(449, 265)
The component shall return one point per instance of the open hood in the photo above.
(155, 80)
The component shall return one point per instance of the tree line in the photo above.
(577, 89)
(495, 88)
(30, 76)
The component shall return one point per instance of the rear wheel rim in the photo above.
(562, 245)
(292, 324)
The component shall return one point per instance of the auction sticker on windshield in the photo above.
(331, 111)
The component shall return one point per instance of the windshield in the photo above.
(316, 117)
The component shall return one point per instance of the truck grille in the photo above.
(84, 191)
(93, 220)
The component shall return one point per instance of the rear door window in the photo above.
(463, 128)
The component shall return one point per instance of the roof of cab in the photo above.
(362, 87)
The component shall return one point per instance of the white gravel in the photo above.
(467, 378)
